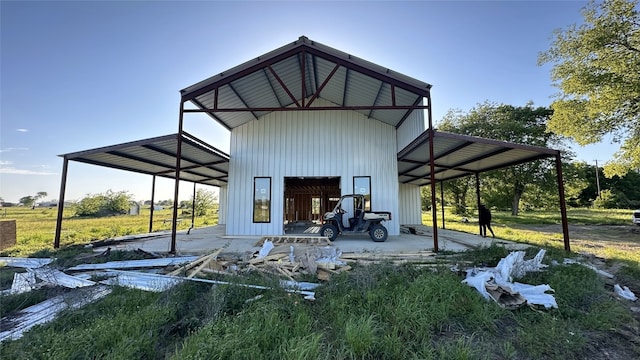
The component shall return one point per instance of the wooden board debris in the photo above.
(295, 239)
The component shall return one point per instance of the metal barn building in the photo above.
(307, 124)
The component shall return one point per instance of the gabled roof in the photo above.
(293, 76)
(461, 155)
(201, 163)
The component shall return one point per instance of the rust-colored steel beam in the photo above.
(303, 73)
(312, 108)
(344, 87)
(478, 200)
(563, 205)
(63, 186)
(432, 177)
(393, 95)
(236, 93)
(193, 208)
(271, 86)
(215, 106)
(284, 87)
(442, 202)
(408, 112)
(324, 83)
(153, 197)
(176, 189)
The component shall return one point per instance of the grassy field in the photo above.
(606, 233)
(35, 229)
(371, 312)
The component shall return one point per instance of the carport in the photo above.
(165, 156)
(436, 156)
(433, 157)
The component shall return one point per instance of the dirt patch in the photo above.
(596, 233)
(596, 240)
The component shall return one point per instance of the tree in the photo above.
(31, 200)
(27, 200)
(524, 125)
(37, 197)
(109, 203)
(596, 66)
(205, 200)
(456, 192)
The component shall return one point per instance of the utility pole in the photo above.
(597, 179)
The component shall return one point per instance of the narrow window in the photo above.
(362, 185)
(262, 200)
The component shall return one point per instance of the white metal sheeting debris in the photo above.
(31, 263)
(624, 292)
(131, 264)
(48, 310)
(141, 281)
(501, 277)
(266, 249)
(159, 282)
(57, 277)
(23, 282)
(598, 271)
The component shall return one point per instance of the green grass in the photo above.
(372, 312)
(35, 229)
(519, 229)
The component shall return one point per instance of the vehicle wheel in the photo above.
(378, 233)
(329, 231)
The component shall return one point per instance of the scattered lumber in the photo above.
(295, 239)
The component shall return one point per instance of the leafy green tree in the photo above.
(579, 183)
(607, 200)
(32, 200)
(38, 196)
(425, 198)
(109, 203)
(524, 125)
(457, 192)
(596, 66)
(90, 205)
(167, 202)
(205, 201)
(27, 200)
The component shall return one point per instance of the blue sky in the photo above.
(84, 74)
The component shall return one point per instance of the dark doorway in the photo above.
(306, 199)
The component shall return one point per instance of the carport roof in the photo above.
(200, 163)
(293, 76)
(460, 155)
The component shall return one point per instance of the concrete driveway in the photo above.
(207, 239)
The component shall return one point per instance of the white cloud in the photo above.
(14, 171)
(5, 162)
(22, 130)
(14, 149)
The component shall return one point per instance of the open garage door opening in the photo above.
(306, 199)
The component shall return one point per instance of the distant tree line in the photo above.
(532, 185)
(119, 202)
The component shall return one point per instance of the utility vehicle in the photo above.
(361, 222)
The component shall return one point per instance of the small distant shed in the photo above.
(134, 208)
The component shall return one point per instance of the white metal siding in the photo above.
(307, 144)
(222, 206)
(411, 128)
(410, 212)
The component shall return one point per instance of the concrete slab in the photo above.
(207, 239)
